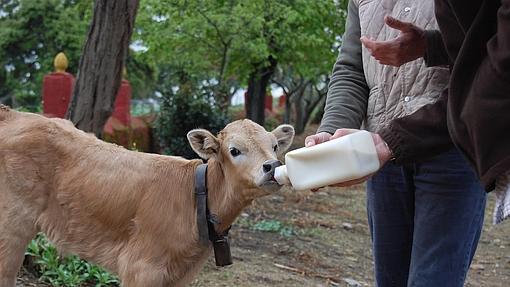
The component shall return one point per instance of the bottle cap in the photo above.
(280, 175)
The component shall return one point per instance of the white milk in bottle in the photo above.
(346, 158)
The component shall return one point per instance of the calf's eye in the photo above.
(275, 148)
(234, 152)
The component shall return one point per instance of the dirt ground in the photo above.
(304, 239)
(330, 246)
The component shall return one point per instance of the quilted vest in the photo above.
(396, 92)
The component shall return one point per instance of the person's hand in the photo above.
(383, 153)
(408, 46)
(317, 138)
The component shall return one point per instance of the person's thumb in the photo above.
(397, 24)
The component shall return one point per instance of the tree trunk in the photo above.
(288, 109)
(299, 110)
(320, 112)
(100, 71)
(223, 99)
(257, 84)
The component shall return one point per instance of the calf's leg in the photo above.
(16, 231)
(137, 270)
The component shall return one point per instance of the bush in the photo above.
(273, 119)
(181, 113)
(237, 112)
(69, 271)
(27, 101)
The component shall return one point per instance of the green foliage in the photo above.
(220, 43)
(142, 76)
(69, 271)
(273, 119)
(31, 34)
(195, 34)
(237, 112)
(182, 112)
(273, 226)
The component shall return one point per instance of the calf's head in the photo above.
(246, 152)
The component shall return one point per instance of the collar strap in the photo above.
(206, 221)
(201, 200)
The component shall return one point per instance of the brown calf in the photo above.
(130, 212)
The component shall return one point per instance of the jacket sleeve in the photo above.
(435, 53)
(420, 135)
(498, 52)
(347, 97)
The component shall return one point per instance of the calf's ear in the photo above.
(205, 144)
(285, 135)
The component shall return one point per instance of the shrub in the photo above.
(69, 271)
(26, 100)
(182, 112)
(237, 112)
(273, 119)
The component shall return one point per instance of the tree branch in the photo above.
(201, 40)
(215, 26)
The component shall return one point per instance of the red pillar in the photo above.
(122, 107)
(281, 101)
(57, 88)
(118, 127)
(268, 104)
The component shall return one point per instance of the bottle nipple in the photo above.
(280, 175)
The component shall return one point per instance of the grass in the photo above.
(69, 271)
(268, 225)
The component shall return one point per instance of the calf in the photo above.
(132, 213)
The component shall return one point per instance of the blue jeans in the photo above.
(425, 220)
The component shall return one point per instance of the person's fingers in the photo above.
(317, 139)
(380, 57)
(397, 24)
(388, 55)
(368, 43)
(310, 141)
(383, 150)
(348, 183)
(342, 132)
(381, 48)
(352, 182)
(390, 62)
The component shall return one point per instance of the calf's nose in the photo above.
(269, 166)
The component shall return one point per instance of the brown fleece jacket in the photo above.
(475, 111)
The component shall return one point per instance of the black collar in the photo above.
(206, 221)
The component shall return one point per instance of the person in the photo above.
(474, 39)
(425, 218)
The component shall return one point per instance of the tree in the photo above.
(101, 64)
(201, 40)
(226, 44)
(303, 96)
